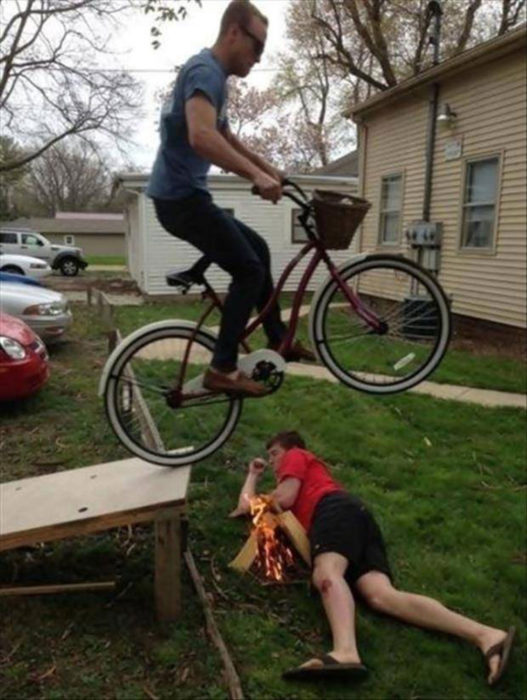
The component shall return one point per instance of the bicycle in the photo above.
(379, 323)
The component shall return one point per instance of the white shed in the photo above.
(152, 251)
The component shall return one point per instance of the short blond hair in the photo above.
(240, 12)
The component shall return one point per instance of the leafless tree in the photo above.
(67, 178)
(53, 81)
(396, 33)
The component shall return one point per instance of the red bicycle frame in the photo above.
(320, 253)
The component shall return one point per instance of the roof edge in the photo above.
(481, 53)
(136, 182)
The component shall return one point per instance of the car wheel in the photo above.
(13, 269)
(69, 267)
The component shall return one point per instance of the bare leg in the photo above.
(328, 578)
(427, 612)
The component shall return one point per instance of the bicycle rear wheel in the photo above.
(145, 411)
(414, 333)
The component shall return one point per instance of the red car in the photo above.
(23, 360)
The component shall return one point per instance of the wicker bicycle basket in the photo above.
(338, 216)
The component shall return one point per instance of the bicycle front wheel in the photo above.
(413, 331)
(145, 402)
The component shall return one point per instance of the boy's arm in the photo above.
(286, 493)
(248, 490)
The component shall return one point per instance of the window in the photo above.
(7, 237)
(69, 240)
(298, 235)
(390, 210)
(30, 239)
(479, 203)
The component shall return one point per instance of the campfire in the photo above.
(276, 542)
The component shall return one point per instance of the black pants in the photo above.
(238, 250)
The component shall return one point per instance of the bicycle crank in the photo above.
(265, 366)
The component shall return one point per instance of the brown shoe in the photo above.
(297, 352)
(238, 384)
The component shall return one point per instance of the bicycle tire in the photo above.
(121, 376)
(363, 377)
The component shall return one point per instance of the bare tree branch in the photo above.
(467, 27)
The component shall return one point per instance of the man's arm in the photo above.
(253, 157)
(209, 143)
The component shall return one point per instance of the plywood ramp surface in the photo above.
(89, 499)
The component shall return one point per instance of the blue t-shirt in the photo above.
(178, 170)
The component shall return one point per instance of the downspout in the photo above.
(362, 146)
(434, 7)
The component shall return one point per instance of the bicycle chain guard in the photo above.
(264, 366)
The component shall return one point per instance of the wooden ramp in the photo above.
(91, 499)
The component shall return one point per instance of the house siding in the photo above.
(491, 120)
(92, 243)
(161, 252)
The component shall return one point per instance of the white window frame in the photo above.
(69, 239)
(23, 237)
(298, 234)
(382, 212)
(491, 248)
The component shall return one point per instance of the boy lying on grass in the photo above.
(349, 556)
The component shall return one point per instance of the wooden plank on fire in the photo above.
(296, 533)
(246, 555)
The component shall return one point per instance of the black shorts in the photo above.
(342, 524)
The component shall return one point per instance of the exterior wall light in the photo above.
(445, 116)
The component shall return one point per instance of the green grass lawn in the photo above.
(106, 259)
(457, 367)
(446, 481)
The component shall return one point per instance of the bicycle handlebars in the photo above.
(304, 203)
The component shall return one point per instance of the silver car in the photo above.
(46, 312)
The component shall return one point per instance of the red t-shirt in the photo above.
(315, 481)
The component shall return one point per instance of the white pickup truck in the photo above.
(67, 259)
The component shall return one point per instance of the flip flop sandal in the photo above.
(503, 648)
(330, 668)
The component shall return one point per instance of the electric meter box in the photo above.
(424, 234)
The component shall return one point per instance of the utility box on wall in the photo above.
(424, 237)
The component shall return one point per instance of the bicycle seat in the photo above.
(184, 278)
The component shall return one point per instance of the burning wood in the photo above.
(268, 546)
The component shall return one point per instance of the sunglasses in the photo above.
(258, 45)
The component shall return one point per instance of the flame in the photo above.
(273, 556)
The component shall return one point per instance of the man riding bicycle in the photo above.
(194, 134)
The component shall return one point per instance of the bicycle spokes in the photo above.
(154, 411)
(408, 330)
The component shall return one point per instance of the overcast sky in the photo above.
(180, 40)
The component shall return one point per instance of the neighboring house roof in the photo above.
(136, 182)
(78, 225)
(347, 165)
(470, 59)
(88, 216)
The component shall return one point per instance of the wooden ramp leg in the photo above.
(168, 567)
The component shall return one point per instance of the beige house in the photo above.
(97, 234)
(476, 175)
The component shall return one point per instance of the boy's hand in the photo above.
(257, 466)
(239, 512)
